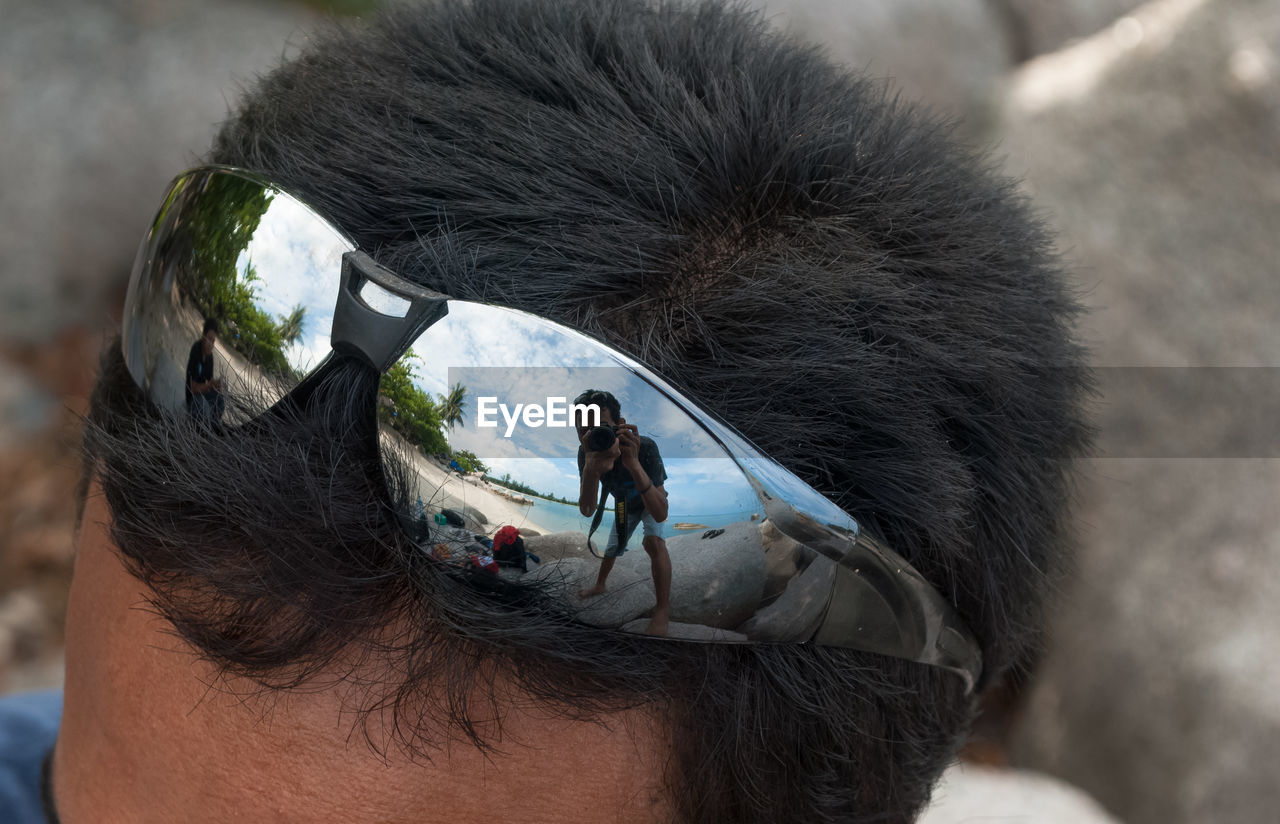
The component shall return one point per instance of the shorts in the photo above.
(652, 529)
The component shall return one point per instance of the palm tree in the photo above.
(290, 327)
(451, 405)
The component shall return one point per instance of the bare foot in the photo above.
(584, 594)
(657, 624)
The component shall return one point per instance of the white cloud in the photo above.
(298, 260)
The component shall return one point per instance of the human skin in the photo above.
(150, 734)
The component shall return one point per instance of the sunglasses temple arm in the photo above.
(379, 338)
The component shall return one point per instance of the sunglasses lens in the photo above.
(259, 264)
(504, 419)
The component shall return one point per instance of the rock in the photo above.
(1163, 191)
(455, 512)
(969, 793)
(948, 54)
(782, 557)
(475, 515)
(686, 632)
(795, 614)
(714, 581)
(556, 545)
(629, 595)
(515, 573)
(526, 532)
(1040, 26)
(102, 104)
(1152, 148)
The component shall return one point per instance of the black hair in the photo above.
(601, 398)
(821, 264)
(210, 325)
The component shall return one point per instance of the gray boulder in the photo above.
(556, 545)
(629, 596)
(797, 611)
(473, 525)
(1040, 26)
(475, 515)
(715, 582)
(781, 556)
(687, 632)
(1154, 154)
(948, 54)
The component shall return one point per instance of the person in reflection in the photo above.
(616, 461)
(251, 635)
(204, 391)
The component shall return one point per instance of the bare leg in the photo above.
(660, 565)
(606, 566)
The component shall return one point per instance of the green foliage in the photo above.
(524, 489)
(290, 327)
(221, 223)
(412, 412)
(468, 461)
(249, 330)
(451, 405)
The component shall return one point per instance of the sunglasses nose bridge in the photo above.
(378, 337)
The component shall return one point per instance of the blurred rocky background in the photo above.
(1148, 134)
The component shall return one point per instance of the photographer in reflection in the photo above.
(204, 392)
(615, 458)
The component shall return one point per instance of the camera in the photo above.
(600, 438)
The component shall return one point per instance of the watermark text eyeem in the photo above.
(556, 413)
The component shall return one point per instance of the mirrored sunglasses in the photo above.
(532, 452)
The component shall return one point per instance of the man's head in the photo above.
(609, 416)
(610, 409)
(209, 335)
(699, 192)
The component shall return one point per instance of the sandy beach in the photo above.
(442, 488)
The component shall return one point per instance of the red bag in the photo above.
(508, 548)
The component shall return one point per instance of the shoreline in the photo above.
(443, 488)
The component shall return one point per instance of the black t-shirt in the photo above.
(199, 367)
(618, 482)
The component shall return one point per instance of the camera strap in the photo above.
(619, 520)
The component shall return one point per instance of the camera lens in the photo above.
(600, 438)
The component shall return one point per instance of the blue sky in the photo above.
(520, 359)
(298, 259)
